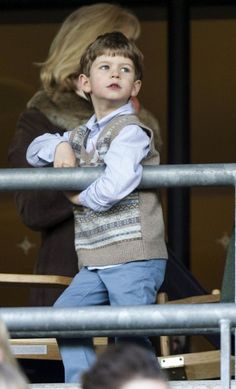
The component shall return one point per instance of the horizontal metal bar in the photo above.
(189, 384)
(110, 320)
(153, 177)
(111, 333)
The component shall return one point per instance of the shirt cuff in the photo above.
(86, 201)
(47, 153)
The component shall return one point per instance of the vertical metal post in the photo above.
(235, 275)
(225, 354)
(178, 124)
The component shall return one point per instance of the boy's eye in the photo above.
(125, 69)
(104, 67)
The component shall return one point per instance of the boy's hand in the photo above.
(64, 156)
(73, 197)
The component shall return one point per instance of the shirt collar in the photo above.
(96, 126)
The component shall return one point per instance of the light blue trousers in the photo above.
(133, 283)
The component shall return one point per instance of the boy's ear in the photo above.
(83, 84)
(136, 88)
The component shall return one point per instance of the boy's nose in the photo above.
(115, 74)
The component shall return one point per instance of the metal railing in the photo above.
(110, 321)
(153, 177)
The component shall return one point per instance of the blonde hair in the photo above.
(79, 30)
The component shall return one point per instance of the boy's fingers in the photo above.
(64, 164)
(56, 164)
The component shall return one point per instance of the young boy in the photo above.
(119, 229)
(125, 367)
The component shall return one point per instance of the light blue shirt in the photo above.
(123, 169)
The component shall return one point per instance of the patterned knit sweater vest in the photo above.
(132, 229)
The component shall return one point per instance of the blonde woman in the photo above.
(55, 108)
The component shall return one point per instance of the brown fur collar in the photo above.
(66, 110)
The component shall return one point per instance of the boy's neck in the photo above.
(105, 108)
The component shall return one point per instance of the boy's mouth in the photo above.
(114, 86)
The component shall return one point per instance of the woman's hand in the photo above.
(64, 156)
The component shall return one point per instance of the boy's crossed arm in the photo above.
(53, 148)
(123, 170)
(64, 156)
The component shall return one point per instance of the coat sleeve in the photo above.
(38, 209)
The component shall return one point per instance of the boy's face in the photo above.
(112, 79)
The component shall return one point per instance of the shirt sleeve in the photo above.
(41, 151)
(123, 170)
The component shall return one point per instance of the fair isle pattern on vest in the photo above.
(98, 229)
(122, 221)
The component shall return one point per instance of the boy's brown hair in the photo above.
(113, 44)
(78, 30)
(120, 364)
